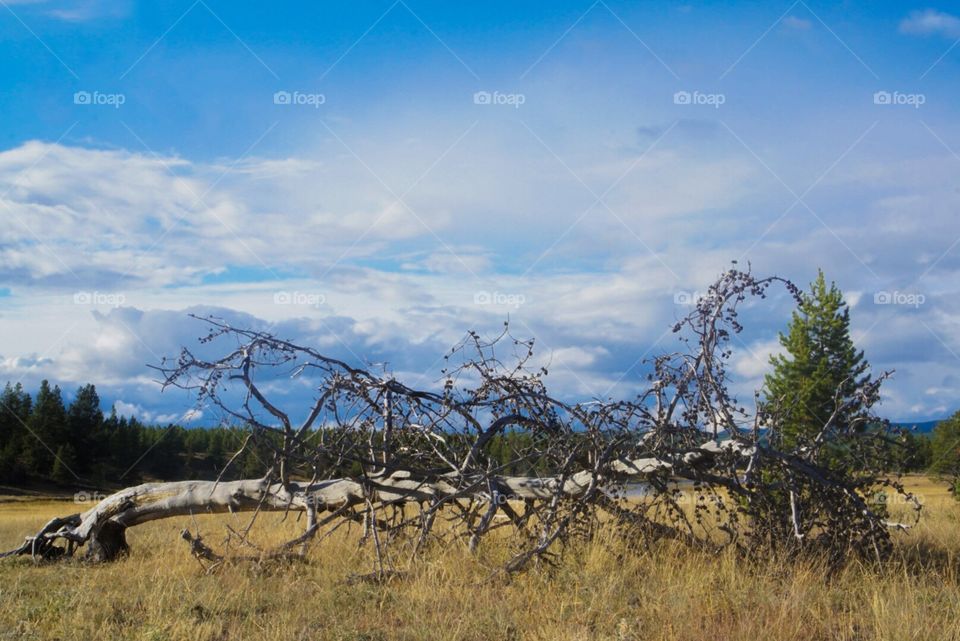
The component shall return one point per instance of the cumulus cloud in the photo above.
(752, 361)
(592, 338)
(17, 365)
(109, 250)
(931, 22)
(106, 218)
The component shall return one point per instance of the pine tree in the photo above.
(820, 360)
(7, 417)
(85, 425)
(15, 407)
(48, 430)
(63, 464)
(945, 457)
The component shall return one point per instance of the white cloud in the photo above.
(134, 410)
(383, 285)
(931, 22)
(752, 362)
(797, 23)
(191, 415)
(78, 10)
(95, 217)
(453, 261)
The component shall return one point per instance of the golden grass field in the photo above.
(599, 592)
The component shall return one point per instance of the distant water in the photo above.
(922, 427)
(640, 490)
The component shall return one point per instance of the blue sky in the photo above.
(581, 167)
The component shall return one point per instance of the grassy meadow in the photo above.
(599, 592)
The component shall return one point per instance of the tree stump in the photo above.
(108, 543)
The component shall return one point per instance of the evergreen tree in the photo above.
(217, 450)
(63, 464)
(131, 447)
(85, 426)
(42, 440)
(945, 446)
(7, 417)
(15, 406)
(820, 360)
(916, 454)
(48, 430)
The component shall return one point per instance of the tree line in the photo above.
(44, 440)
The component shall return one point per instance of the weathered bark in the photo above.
(102, 528)
(107, 543)
(451, 452)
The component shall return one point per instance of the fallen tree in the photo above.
(494, 449)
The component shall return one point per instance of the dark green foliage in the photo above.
(64, 463)
(945, 451)
(15, 407)
(917, 452)
(46, 430)
(821, 369)
(85, 427)
(42, 441)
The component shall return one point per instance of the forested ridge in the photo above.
(44, 439)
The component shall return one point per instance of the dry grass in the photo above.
(600, 592)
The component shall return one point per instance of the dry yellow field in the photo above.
(600, 592)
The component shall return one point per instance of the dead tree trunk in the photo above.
(493, 449)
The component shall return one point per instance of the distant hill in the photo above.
(922, 427)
